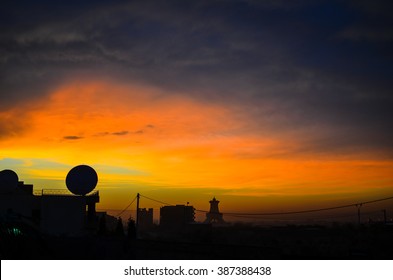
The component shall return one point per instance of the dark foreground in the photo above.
(229, 242)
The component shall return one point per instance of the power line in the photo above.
(203, 211)
(127, 207)
(287, 212)
(256, 217)
(155, 200)
(310, 210)
(377, 200)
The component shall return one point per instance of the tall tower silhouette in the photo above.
(214, 215)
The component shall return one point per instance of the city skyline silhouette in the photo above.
(48, 224)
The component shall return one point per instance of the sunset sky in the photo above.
(267, 105)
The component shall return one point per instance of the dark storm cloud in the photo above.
(306, 64)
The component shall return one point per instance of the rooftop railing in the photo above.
(62, 192)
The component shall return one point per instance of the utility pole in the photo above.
(137, 212)
(384, 216)
(358, 207)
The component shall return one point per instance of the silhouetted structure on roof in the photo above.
(54, 212)
(214, 215)
(176, 216)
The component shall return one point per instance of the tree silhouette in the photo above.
(131, 229)
(102, 225)
(119, 227)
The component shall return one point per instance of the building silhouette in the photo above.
(176, 216)
(214, 215)
(53, 212)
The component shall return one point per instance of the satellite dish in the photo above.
(81, 179)
(8, 181)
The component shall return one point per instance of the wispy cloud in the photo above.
(72, 137)
(121, 133)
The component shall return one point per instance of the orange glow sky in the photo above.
(179, 150)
